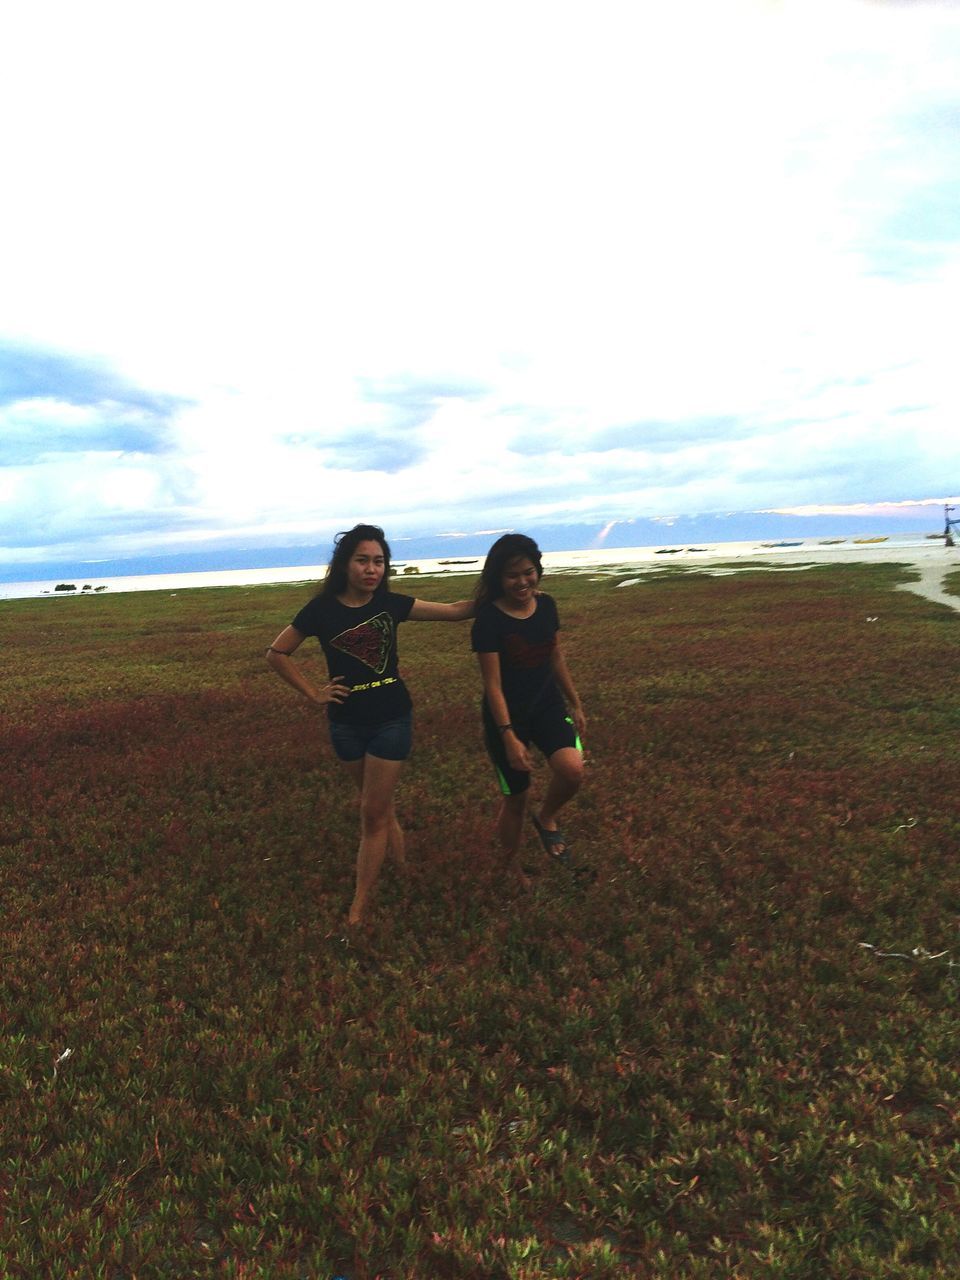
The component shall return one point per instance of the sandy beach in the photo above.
(927, 560)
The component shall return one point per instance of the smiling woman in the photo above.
(525, 681)
(355, 617)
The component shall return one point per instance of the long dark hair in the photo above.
(509, 547)
(344, 545)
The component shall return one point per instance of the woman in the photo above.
(355, 617)
(525, 681)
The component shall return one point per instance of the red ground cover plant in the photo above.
(693, 1068)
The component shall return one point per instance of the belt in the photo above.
(374, 684)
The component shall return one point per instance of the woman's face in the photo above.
(365, 567)
(520, 580)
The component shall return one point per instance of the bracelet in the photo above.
(504, 727)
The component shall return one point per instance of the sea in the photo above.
(661, 555)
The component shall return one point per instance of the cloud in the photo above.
(700, 259)
(53, 403)
(36, 430)
(640, 438)
(916, 508)
(28, 373)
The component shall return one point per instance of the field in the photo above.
(707, 1064)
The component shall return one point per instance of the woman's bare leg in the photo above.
(396, 841)
(566, 775)
(510, 833)
(380, 779)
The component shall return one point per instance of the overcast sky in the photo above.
(267, 269)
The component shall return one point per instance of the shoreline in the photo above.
(929, 558)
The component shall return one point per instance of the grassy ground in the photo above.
(694, 1068)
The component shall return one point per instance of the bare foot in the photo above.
(514, 874)
(397, 847)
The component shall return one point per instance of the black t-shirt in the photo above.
(361, 646)
(525, 646)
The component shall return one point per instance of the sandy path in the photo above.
(931, 586)
(931, 563)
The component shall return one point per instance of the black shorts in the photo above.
(549, 728)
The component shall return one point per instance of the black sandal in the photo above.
(556, 845)
(554, 842)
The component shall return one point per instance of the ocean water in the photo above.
(661, 556)
(171, 582)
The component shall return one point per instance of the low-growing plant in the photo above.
(732, 1055)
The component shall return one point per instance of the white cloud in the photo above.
(922, 507)
(596, 219)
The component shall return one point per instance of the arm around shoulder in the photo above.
(434, 611)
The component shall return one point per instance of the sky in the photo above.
(267, 270)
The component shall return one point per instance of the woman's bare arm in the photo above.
(493, 690)
(434, 611)
(565, 681)
(279, 657)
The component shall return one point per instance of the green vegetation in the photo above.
(693, 1068)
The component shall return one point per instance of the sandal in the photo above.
(556, 845)
(554, 842)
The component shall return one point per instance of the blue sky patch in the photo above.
(53, 404)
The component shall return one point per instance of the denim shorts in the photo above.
(390, 739)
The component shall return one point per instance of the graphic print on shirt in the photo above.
(522, 654)
(369, 643)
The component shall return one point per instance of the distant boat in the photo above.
(782, 544)
(698, 548)
(936, 535)
(458, 562)
(863, 540)
(831, 542)
(669, 551)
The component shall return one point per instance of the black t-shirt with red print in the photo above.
(525, 646)
(360, 645)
